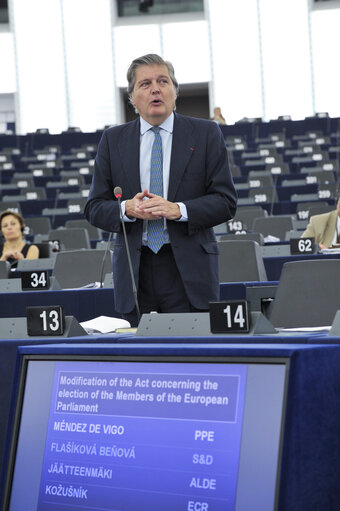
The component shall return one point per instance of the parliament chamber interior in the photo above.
(284, 171)
(236, 408)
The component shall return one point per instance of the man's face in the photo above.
(154, 93)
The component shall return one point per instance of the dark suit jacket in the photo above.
(199, 177)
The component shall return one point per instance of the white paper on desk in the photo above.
(104, 324)
(271, 239)
(330, 251)
(305, 329)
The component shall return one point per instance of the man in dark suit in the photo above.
(180, 272)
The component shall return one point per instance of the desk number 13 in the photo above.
(54, 317)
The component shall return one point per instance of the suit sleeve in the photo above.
(217, 203)
(310, 231)
(102, 208)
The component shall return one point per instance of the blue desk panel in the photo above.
(83, 304)
(310, 464)
(274, 265)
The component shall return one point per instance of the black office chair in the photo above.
(79, 268)
(308, 294)
(241, 261)
(276, 225)
(45, 250)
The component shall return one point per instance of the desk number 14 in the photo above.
(238, 316)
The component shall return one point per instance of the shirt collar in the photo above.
(167, 125)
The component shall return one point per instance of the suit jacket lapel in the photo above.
(183, 145)
(128, 146)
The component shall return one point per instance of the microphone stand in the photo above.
(118, 195)
(103, 261)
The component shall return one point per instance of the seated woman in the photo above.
(15, 247)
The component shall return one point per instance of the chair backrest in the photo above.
(45, 250)
(247, 215)
(278, 168)
(255, 181)
(78, 268)
(320, 209)
(274, 225)
(263, 195)
(34, 193)
(5, 269)
(94, 232)
(46, 263)
(241, 261)
(13, 205)
(71, 238)
(255, 236)
(38, 224)
(308, 294)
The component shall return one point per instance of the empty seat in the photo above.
(274, 225)
(79, 202)
(308, 294)
(278, 168)
(23, 182)
(71, 238)
(241, 261)
(5, 269)
(38, 225)
(45, 263)
(80, 268)
(261, 195)
(13, 205)
(319, 209)
(246, 215)
(34, 193)
(260, 181)
(302, 209)
(327, 191)
(94, 232)
(255, 236)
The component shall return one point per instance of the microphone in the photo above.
(118, 194)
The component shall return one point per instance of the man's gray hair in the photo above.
(149, 60)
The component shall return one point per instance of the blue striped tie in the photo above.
(156, 227)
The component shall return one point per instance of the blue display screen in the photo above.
(168, 440)
(146, 436)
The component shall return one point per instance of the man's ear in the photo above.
(132, 99)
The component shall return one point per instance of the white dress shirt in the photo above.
(146, 140)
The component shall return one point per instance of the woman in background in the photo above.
(218, 117)
(15, 248)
